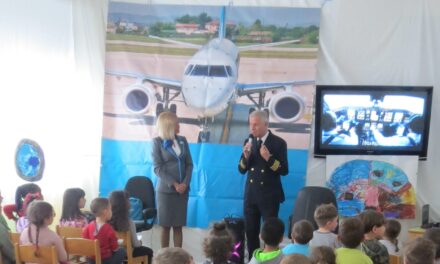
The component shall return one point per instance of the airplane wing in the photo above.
(141, 78)
(181, 43)
(251, 88)
(249, 47)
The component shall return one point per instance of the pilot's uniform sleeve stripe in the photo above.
(275, 165)
(242, 164)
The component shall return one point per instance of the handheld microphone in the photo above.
(249, 145)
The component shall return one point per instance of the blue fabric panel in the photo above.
(216, 187)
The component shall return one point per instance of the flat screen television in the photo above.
(372, 120)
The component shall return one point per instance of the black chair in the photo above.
(306, 202)
(142, 188)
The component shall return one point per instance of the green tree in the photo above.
(155, 29)
(187, 19)
(312, 37)
(203, 18)
(257, 25)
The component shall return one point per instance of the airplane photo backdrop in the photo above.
(212, 65)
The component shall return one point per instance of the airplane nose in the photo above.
(206, 95)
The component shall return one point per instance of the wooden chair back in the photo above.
(26, 253)
(126, 243)
(394, 259)
(67, 231)
(15, 238)
(83, 247)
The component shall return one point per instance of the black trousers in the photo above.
(253, 212)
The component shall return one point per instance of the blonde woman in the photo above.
(173, 165)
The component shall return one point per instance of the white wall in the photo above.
(384, 43)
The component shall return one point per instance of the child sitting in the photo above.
(374, 228)
(322, 255)
(40, 215)
(7, 255)
(99, 229)
(433, 234)
(390, 241)
(295, 259)
(351, 234)
(272, 235)
(173, 256)
(14, 211)
(23, 221)
(419, 251)
(121, 222)
(302, 233)
(326, 216)
(73, 201)
(218, 245)
(2, 218)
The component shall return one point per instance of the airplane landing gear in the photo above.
(203, 137)
(173, 108)
(159, 109)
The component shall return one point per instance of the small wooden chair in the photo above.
(26, 253)
(394, 259)
(83, 247)
(67, 231)
(126, 238)
(15, 237)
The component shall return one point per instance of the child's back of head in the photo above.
(324, 214)
(392, 231)
(351, 232)
(322, 255)
(172, 256)
(98, 205)
(120, 206)
(272, 231)
(433, 234)
(419, 251)
(371, 220)
(302, 232)
(295, 259)
(71, 203)
(219, 244)
(21, 193)
(38, 212)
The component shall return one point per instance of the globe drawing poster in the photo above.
(383, 183)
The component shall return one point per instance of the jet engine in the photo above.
(286, 107)
(138, 98)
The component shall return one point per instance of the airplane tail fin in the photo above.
(222, 23)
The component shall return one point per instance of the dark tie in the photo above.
(259, 142)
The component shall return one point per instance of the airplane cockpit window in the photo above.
(217, 71)
(189, 69)
(229, 70)
(211, 71)
(200, 70)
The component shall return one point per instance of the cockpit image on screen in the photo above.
(372, 119)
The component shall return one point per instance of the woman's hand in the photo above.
(181, 188)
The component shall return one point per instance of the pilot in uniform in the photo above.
(264, 158)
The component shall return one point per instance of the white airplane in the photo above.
(209, 84)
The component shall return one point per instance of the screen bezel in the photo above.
(320, 151)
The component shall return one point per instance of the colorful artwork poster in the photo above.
(211, 65)
(384, 183)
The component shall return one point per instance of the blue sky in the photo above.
(247, 15)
